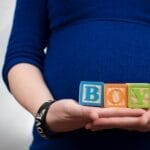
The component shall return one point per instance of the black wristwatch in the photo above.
(40, 120)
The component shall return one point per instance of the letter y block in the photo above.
(139, 95)
(91, 93)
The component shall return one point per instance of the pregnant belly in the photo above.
(96, 51)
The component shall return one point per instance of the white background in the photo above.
(15, 122)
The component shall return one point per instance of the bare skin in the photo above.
(29, 89)
(141, 123)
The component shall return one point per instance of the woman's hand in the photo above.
(130, 119)
(67, 115)
(143, 124)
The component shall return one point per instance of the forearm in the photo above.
(28, 87)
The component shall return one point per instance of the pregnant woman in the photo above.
(90, 40)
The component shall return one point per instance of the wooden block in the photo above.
(115, 95)
(139, 95)
(91, 93)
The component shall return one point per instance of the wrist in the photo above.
(38, 103)
(40, 119)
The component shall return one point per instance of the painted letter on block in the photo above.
(115, 95)
(139, 96)
(91, 93)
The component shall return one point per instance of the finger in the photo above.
(117, 122)
(144, 123)
(97, 129)
(94, 113)
(120, 112)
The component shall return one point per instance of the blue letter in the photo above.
(91, 93)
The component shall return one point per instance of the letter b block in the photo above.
(139, 95)
(91, 93)
(116, 95)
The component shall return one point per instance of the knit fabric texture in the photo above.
(86, 40)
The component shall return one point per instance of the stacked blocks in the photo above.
(132, 95)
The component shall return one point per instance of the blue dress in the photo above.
(91, 40)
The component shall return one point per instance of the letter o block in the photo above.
(139, 95)
(91, 93)
(115, 95)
